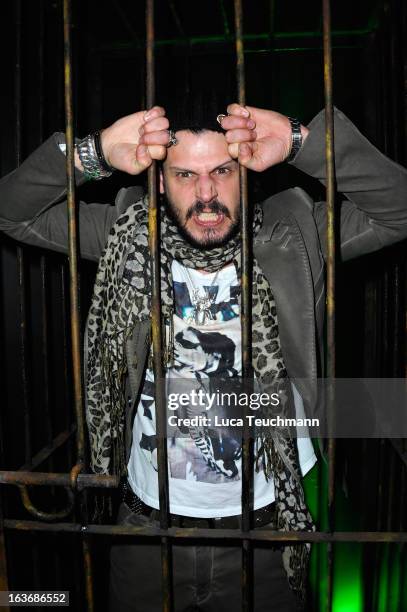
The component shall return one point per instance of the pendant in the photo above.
(202, 305)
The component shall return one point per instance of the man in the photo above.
(200, 286)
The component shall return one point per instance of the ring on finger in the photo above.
(172, 139)
(220, 118)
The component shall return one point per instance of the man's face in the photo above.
(201, 183)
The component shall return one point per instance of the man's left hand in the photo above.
(258, 138)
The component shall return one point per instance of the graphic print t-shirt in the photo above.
(204, 462)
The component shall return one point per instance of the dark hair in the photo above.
(196, 112)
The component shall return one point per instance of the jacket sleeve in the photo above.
(33, 205)
(374, 214)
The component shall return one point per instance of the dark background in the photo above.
(194, 52)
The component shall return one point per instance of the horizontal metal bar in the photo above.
(47, 450)
(123, 48)
(54, 479)
(222, 38)
(262, 535)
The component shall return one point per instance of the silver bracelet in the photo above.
(93, 168)
(296, 138)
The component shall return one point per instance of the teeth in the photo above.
(205, 216)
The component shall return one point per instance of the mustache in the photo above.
(214, 207)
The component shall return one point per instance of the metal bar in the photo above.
(46, 516)
(20, 253)
(330, 301)
(156, 316)
(54, 479)
(4, 586)
(65, 342)
(73, 239)
(23, 353)
(48, 450)
(246, 327)
(123, 48)
(87, 566)
(255, 535)
(221, 38)
(45, 352)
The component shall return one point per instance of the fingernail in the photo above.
(148, 115)
(245, 112)
(142, 150)
(251, 124)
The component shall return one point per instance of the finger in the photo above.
(245, 155)
(158, 152)
(234, 150)
(155, 138)
(232, 122)
(143, 157)
(154, 125)
(240, 136)
(244, 152)
(238, 110)
(152, 113)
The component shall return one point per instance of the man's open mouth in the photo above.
(208, 219)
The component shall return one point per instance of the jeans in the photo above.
(205, 578)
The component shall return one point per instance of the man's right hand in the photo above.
(131, 143)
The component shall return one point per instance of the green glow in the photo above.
(348, 586)
(348, 576)
(384, 580)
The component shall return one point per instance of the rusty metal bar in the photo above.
(62, 480)
(46, 516)
(156, 321)
(65, 342)
(20, 253)
(48, 450)
(246, 327)
(45, 351)
(4, 586)
(330, 300)
(73, 239)
(87, 566)
(255, 535)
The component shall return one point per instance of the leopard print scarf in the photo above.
(121, 299)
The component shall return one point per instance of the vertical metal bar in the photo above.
(156, 320)
(330, 301)
(20, 253)
(45, 352)
(65, 342)
(74, 280)
(72, 238)
(3, 554)
(246, 327)
(87, 566)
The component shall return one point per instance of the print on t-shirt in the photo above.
(208, 357)
(204, 463)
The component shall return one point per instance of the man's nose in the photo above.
(205, 189)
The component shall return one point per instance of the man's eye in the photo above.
(184, 174)
(222, 170)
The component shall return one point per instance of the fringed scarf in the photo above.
(122, 298)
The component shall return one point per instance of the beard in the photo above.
(209, 239)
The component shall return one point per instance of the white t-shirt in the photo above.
(204, 463)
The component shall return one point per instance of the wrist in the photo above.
(298, 135)
(91, 158)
